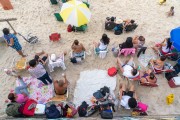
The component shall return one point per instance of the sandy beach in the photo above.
(37, 17)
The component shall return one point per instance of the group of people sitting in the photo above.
(129, 70)
(119, 25)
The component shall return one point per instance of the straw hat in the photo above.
(118, 21)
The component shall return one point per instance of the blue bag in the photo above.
(52, 112)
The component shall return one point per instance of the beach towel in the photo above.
(91, 81)
(38, 92)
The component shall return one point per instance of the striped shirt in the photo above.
(37, 71)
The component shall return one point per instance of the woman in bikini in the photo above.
(148, 77)
(164, 47)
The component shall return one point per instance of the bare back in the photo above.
(58, 89)
(78, 48)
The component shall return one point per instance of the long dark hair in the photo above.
(105, 39)
(169, 43)
(127, 44)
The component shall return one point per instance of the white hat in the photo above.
(119, 21)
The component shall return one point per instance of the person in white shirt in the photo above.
(128, 69)
(38, 71)
(128, 97)
(102, 45)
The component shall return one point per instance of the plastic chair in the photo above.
(84, 55)
(55, 37)
(148, 84)
(58, 17)
(58, 63)
(127, 51)
(101, 54)
(161, 71)
(136, 78)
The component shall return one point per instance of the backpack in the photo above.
(69, 28)
(142, 107)
(170, 75)
(52, 112)
(105, 112)
(13, 109)
(29, 107)
(118, 29)
(112, 71)
(73, 60)
(82, 109)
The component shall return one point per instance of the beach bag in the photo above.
(174, 57)
(52, 112)
(118, 32)
(69, 28)
(98, 95)
(71, 111)
(170, 75)
(29, 107)
(82, 109)
(13, 109)
(177, 68)
(73, 60)
(106, 114)
(112, 71)
(142, 107)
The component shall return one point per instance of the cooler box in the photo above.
(40, 109)
(174, 82)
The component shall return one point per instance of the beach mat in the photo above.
(91, 81)
(42, 94)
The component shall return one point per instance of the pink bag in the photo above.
(143, 107)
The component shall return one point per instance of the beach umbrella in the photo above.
(175, 38)
(75, 13)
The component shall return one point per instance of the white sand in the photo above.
(35, 16)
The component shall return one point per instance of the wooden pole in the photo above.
(7, 20)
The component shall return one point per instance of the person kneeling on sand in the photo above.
(159, 63)
(21, 92)
(78, 49)
(127, 96)
(128, 69)
(60, 87)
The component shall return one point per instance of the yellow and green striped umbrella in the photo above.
(75, 13)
